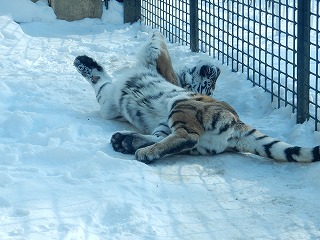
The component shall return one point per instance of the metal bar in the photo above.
(303, 60)
(132, 10)
(194, 27)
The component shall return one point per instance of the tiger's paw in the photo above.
(122, 142)
(129, 142)
(88, 68)
(146, 155)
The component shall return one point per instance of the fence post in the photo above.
(303, 60)
(194, 28)
(132, 10)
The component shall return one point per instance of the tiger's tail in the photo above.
(252, 141)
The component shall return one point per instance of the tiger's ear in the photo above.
(95, 79)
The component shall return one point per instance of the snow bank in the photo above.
(27, 11)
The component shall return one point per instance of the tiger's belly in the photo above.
(212, 143)
(146, 119)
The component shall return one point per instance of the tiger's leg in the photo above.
(185, 136)
(175, 143)
(129, 142)
(156, 54)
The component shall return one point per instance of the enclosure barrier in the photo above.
(275, 42)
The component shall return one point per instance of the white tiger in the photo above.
(173, 120)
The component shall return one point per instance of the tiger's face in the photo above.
(204, 78)
(201, 78)
(88, 68)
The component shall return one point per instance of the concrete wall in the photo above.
(71, 10)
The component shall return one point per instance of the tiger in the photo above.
(173, 120)
(200, 78)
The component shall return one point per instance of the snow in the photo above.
(61, 179)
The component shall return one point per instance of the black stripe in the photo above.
(178, 122)
(192, 71)
(262, 137)
(233, 149)
(145, 102)
(316, 154)
(164, 124)
(142, 122)
(154, 97)
(102, 86)
(181, 147)
(292, 151)
(198, 99)
(257, 153)
(139, 113)
(199, 89)
(136, 92)
(178, 101)
(250, 132)
(135, 82)
(118, 117)
(182, 79)
(211, 152)
(187, 107)
(161, 131)
(122, 98)
(267, 148)
(174, 112)
(215, 118)
(188, 130)
(224, 128)
(199, 116)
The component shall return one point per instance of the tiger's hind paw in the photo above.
(122, 143)
(130, 142)
(88, 68)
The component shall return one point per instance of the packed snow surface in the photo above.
(61, 179)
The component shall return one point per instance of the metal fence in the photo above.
(275, 42)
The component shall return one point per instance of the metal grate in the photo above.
(171, 17)
(253, 39)
(314, 86)
(258, 37)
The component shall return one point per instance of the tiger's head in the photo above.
(201, 78)
(88, 68)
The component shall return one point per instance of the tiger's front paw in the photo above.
(122, 142)
(146, 155)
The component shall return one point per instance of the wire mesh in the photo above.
(314, 86)
(171, 17)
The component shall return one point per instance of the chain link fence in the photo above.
(275, 42)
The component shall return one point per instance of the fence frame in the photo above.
(303, 60)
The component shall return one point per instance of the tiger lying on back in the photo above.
(175, 120)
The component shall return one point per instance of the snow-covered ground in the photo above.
(61, 179)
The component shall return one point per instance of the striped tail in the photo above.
(252, 141)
